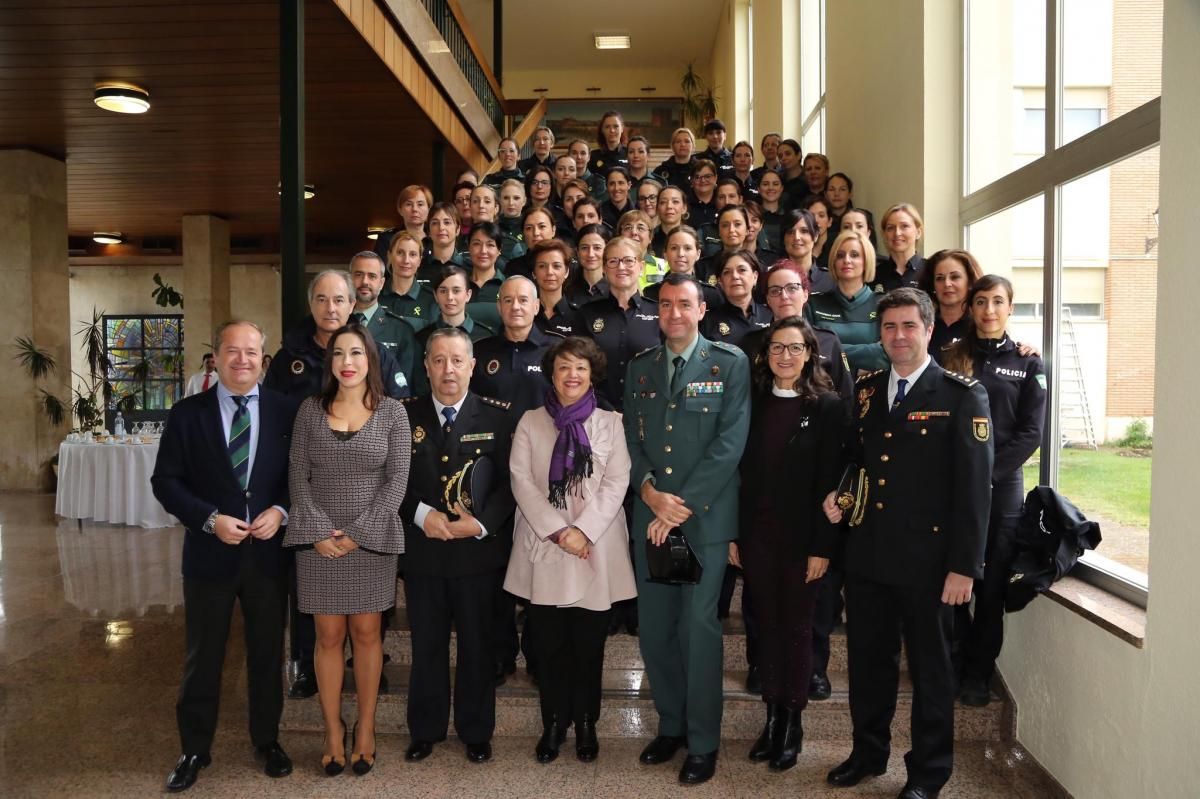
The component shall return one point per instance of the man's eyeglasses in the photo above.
(790, 288)
(777, 348)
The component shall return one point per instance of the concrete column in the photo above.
(205, 284)
(33, 282)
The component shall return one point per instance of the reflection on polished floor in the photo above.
(91, 647)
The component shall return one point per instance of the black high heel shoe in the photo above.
(361, 762)
(330, 763)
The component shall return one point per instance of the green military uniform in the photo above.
(482, 307)
(416, 306)
(393, 334)
(689, 441)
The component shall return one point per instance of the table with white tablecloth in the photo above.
(109, 483)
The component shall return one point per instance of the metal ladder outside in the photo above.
(1075, 416)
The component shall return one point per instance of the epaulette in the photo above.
(869, 375)
(409, 399)
(957, 378)
(645, 351)
(495, 403)
(724, 345)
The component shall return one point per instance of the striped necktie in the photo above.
(239, 441)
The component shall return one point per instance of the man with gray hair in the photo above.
(297, 370)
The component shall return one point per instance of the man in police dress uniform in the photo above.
(687, 414)
(454, 560)
(924, 441)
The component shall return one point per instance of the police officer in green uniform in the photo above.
(387, 327)
(452, 292)
(687, 414)
(915, 545)
(405, 295)
(486, 276)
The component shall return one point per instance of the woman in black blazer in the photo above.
(791, 462)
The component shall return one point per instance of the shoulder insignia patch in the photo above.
(725, 345)
(646, 351)
(869, 375)
(955, 377)
(495, 403)
(407, 400)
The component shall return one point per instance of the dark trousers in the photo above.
(877, 615)
(433, 604)
(784, 606)
(569, 648)
(827, 614)
(303, 637)
(208, 611)
(980, 635)
(507, 644)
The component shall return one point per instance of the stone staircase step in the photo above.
(627, 709)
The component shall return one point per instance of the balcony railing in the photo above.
(477, 74)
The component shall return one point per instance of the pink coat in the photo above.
(539, 570)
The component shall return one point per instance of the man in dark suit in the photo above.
(222, 470)
(454, 560)
(924, 439)
(687, 413)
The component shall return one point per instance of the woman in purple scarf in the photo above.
(570, 556)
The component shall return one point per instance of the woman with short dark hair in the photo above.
(795, 185)
(791, 462)
(570, 558)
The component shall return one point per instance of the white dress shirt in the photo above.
(912, 380)
(423, 509)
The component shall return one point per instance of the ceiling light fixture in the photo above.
(108, 238)
(310, 190)
(122, 98)
(374, 231)
(611, 41)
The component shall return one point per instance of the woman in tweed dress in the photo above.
(349, 469)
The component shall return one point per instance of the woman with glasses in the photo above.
(849, 309)
(647, 200)
(738, 272)
(791, 462)
(587, 283)
(702, 206)
(507, 152)
(636, 226)
(539, 188)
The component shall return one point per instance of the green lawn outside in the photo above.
(1103, 483)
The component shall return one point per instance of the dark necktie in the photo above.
(358, 318)
(677, 376)
(449, 413)
(901, 384)
(239, 442)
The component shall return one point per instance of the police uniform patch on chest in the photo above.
(297, 367)
(493, 366)
(477, 437)
(418, 434)
(723, 328)
(598, 326)
(706, 389)
(981, 426)
(416, 311)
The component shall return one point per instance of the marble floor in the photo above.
(91, 647)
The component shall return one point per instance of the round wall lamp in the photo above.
(122, 98)
(108, 238)
(373, 232)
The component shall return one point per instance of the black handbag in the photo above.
(673, 562)
(852, 494)
(470, 485)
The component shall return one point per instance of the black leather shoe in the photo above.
(790, 738)
(762, 747)
(587, 745)
(547, 746)
(187, 768)
(418, 750)
(917, 792)
(819, 688)
(661, 749)
(276, 762)
(974, 692)
(614, 624)
(698, 768)
(753, 681)
(479, 753)
(851, 772)
(304, 686)
(503, 670)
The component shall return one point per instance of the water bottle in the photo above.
(119, 425)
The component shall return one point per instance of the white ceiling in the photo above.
(664, 34)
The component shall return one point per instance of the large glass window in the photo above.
(145, 359)
(1094, 312)
(812, 75)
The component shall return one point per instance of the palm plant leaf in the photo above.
(38, 363)
(53, 407)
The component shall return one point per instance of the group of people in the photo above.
(548, 411)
